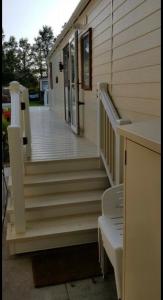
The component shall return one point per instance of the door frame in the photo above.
(67, 84)
(76, 80)
(74, 128)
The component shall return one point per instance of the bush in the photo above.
(6, 99)
(5, 149)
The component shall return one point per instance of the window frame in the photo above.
(84, 35)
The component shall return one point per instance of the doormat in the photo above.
(65, 264)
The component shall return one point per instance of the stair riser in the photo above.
(59, 187)
(53, 241)
(59, 211)
(62, 166)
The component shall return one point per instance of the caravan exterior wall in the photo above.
(125, 54)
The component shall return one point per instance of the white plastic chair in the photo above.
(110, 232)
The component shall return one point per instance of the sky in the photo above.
(24, 18)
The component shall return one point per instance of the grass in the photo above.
(36, 103)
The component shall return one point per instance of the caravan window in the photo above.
(86, 60)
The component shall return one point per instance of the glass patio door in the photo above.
(67, 84)
(74, 93)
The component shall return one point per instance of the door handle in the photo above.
(81, 103)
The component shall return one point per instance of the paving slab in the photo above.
(17, 282)
(93, 289)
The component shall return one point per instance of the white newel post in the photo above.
(16, 158)
(16, 164)
(46, 97)
(15, 103)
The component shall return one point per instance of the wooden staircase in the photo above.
(62, 204)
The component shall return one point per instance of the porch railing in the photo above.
(18, 135)
(110, 143)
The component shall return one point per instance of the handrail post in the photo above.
(27, 124)
(117, 159)
(15, 102)
(17, 175)
(46, 97)
(107, 113)
(16, 158)
(27, 128)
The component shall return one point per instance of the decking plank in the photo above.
(52, 138)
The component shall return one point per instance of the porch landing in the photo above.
(52, 138)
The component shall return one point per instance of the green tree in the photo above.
(10, 60)
(38, 58)
(17, 62)
(25, 74)
(42, 46)
(47, 39)
(3, 56)
(23, 62)
(24, 54)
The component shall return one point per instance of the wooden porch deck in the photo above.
(52, 139)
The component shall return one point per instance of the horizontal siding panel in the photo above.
(102, 16)
(101, 78)
(98, 9)
(90, 97)
(106, 35)
(103, 26)
(147, 8)
(124, 9)
(102, 59)
(117, 4)
(145, 90)
(148, 24)
(102, 48)
(103, 42)
(150, 40)
(147, 58)
(139, 105)
(149, 74)
(103, 69)
(135, 116)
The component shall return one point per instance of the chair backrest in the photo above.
(112, 201)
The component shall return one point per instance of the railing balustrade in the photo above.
(26, 120)
(110, 143)
(17, 131)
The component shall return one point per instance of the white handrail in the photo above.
(110, 143)
(15, 134)
(113, 115)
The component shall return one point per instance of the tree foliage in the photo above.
(10, 61)
(42, 46)
(24, 62)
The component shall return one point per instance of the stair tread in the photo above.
(61, 199)
(63, 176)
(54, 226)
(35, 162)
(58, 177)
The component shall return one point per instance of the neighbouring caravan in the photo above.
(117, 42)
